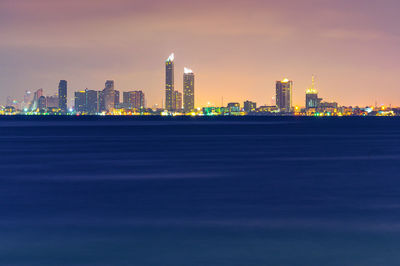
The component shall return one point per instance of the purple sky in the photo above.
(236, 48)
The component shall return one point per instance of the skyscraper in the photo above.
(42, 103)
(169, 83)
(312, 100)
(177, 101)
(80, 101)
(92, 101)
(117, 99)
(134, 99)
(62, 96)
(109, 96)
(188, 90)
(284, 95)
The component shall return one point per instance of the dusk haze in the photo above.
(199, 133)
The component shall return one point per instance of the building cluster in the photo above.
(108, 101)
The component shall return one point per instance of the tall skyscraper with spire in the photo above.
(188, 90)
(312, 100)
(169, 83)
(62, 96)
(284, 95)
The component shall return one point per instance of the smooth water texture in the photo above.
(217, 191)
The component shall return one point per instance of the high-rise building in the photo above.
(42, 103)
(249, 106)
(177, 101)
(109, 96)
(80, 101)
(102, 107)
(188, 90)
(62, 96)
(27, 100)
(312, 100)
(134, 99)
(92, 101)
(87, 101)
(169, 83)
(52, 101)
(284, 95)
(117, 99)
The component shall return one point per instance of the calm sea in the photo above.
(217, 191)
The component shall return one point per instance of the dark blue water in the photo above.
(233, 191)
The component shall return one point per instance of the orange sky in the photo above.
(237, 49)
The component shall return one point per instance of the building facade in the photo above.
(134, 99)
(63, 95)
(188, 90)
(249, 106)
(284, 90)
(109, 96)
(169, 83)
(177, 101)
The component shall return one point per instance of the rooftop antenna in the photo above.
(313, 82)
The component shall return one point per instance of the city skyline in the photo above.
(238, 48)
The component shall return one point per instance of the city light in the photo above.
(110, 101)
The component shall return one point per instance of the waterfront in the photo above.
(199, 191)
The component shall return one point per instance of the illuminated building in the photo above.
(284, 95)
(177, 101)
(249, 106)
(134, 99)
(188, 90)
(233, 108)
(169, 83)
(52, 101)
(62, 96)
(312, 100)
(109, 96)
(42, 103)
(102, 106)
(27, 100)
(87, 101)
(92, 101)
(80, 101)
(116, 98)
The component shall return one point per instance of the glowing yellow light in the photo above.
(285, 80)
(311, 91)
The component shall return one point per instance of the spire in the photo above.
(312, 90)
(171, 58)
(313, 82)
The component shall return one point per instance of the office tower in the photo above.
(102, 107)
(27, 100)
(177, 101)
(52, 101)
(42, 104)
(35, 103)
(188, 90)
(117, 99)
(62, 96)
(169, 83)
(92, 101)
(312, 100)
(80, 101)
(109, 96)
(249, 106)
(284, 95)
(134, 99)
